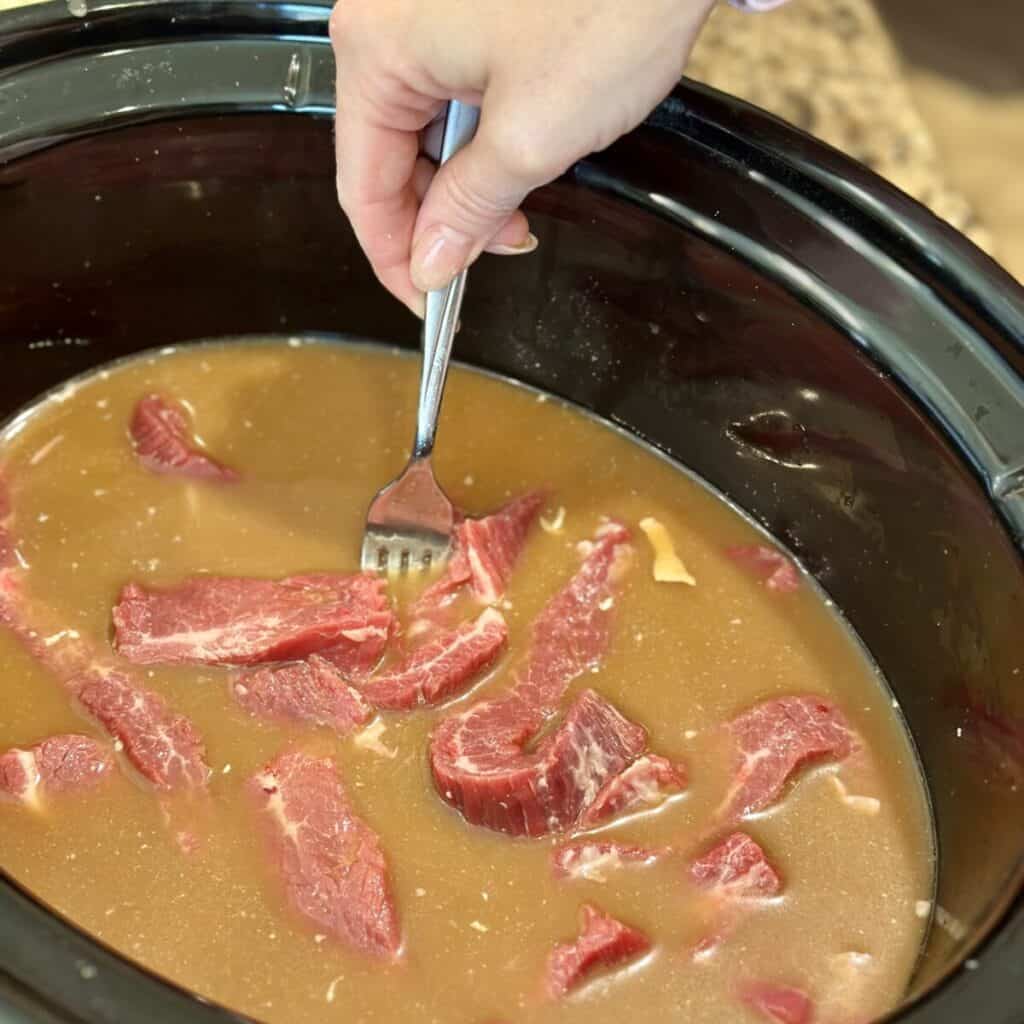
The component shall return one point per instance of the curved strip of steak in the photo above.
(164, 442)
(163, 746)
(647, 782)
(57, 764)
(481, 768)
(484, 555)
(603, 941)
(572, 633)
(441, 668)
(220, 620)
(773, 739)
(478, 756)
(330, 861)
(310, 691)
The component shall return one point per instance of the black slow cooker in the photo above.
(838, 362)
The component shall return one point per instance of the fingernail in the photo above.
(438, 256)
(528, 244)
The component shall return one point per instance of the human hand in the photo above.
(555, 82)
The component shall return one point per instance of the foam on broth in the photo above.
(315, 429)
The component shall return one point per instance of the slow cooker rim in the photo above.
(47, 31)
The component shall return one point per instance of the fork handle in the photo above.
(443, 305)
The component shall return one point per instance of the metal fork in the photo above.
(410, 521)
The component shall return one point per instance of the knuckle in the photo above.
(525, 157)
(470, 201)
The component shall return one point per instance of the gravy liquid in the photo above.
(315, 429)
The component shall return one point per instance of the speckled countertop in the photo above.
(829, 67)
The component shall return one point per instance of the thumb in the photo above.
(472, 204)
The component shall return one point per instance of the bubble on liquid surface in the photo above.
(77, 8)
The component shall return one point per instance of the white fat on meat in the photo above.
(275, 804)
(590, 772)
(29, 795)
(594, 861)
(370, 739)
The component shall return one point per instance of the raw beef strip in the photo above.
(484, 555)
(164, 442)
(602, 942)
(442, 667)
(492, 545)
(477, 756)
(779, 1003)
(242, 621)
(163, 746)
(592, 860)
(737, 869)
(57, 764)
(480, 767)
(644, 784)
(735, 873)
(330, 861)
(60, 650)
(572, 633)
(311, 691)
(772, 566)
(775, 738)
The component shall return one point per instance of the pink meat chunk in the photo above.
(62, 763)
(480, 766)
(736, 874)
(309, 691)
(485, 553)
(164, 442)
(774, 739)
(478, 756)
(572, 633)
(441, 668)
(767, 564)
(779, 1003)
(492, 545)
(330, 861)
(593, 860)
(647, 782)
(602, 942)
(737, 869)
(213, 620)
(164, 747)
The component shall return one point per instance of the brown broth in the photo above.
(316, 429)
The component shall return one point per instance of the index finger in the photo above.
(376, 165)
